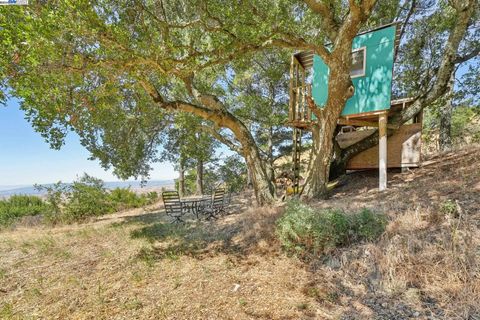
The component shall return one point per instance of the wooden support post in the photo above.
(304, 101)
(382, 151)
(309, 94)
(291, 111)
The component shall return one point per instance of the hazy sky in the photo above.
(25, 158)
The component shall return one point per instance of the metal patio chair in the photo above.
(217, 205)
(174, 207)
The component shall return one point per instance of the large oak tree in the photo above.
(112, 71)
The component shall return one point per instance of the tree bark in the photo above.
(248, 185)
(319, 167)
(446, 110)
(271, 171)
(263, 187)
(443, 76)
(199, 180)
(340, 89)
(181, 177)
(323, 131)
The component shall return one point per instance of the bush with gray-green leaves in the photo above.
(306, 231)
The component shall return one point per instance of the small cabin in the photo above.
(373, 56)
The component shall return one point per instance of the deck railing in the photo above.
(299, 110)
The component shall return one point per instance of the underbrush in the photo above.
(306, 231)
(18, 206)
(87, 197)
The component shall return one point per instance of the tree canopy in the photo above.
(115, 71)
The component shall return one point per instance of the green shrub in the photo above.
(368, 225)
(18, 206)
(87, 197)
(152, 197)
(449, 207)
(55, 196)
(84, 198)
(124, 198)
(303, 230)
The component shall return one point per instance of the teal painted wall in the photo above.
(372, 91)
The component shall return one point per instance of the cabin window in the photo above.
(358, 63)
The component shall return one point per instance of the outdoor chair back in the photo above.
(173, 205)
(218, 203)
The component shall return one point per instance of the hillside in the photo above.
(137, 265)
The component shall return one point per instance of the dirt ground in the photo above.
(138, 265)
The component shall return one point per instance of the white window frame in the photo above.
(364, 62)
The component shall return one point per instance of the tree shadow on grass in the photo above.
(190, 239)
(235, 234)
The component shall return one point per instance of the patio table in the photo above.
(196, 205)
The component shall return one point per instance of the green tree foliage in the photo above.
(112, 71)
(188, 147)
(230, 173)
(258, 93)
(210, 181)
(233, 173)
(465, 125)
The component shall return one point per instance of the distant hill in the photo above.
(7, 191)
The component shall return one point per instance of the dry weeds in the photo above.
(137, 265)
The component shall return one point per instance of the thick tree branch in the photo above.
(313, 107)
(447, 64)
(327, 12)
(443, 73)
(405, 21)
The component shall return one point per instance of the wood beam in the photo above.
(382, 151)
(361, 123)
(291, 112)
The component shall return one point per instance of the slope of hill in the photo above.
(138, 265)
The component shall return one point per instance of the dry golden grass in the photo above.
(137, 265)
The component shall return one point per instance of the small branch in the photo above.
(474, 53)
(152, 91)
(217, 135)
(407, 18)
(293, 42)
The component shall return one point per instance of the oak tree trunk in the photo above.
(181, 178)
(324, 129)
(446, 110)
(199, 179)
(319, 166)
(263, 187)
(271, 171)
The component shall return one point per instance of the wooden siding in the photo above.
(403, 148)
